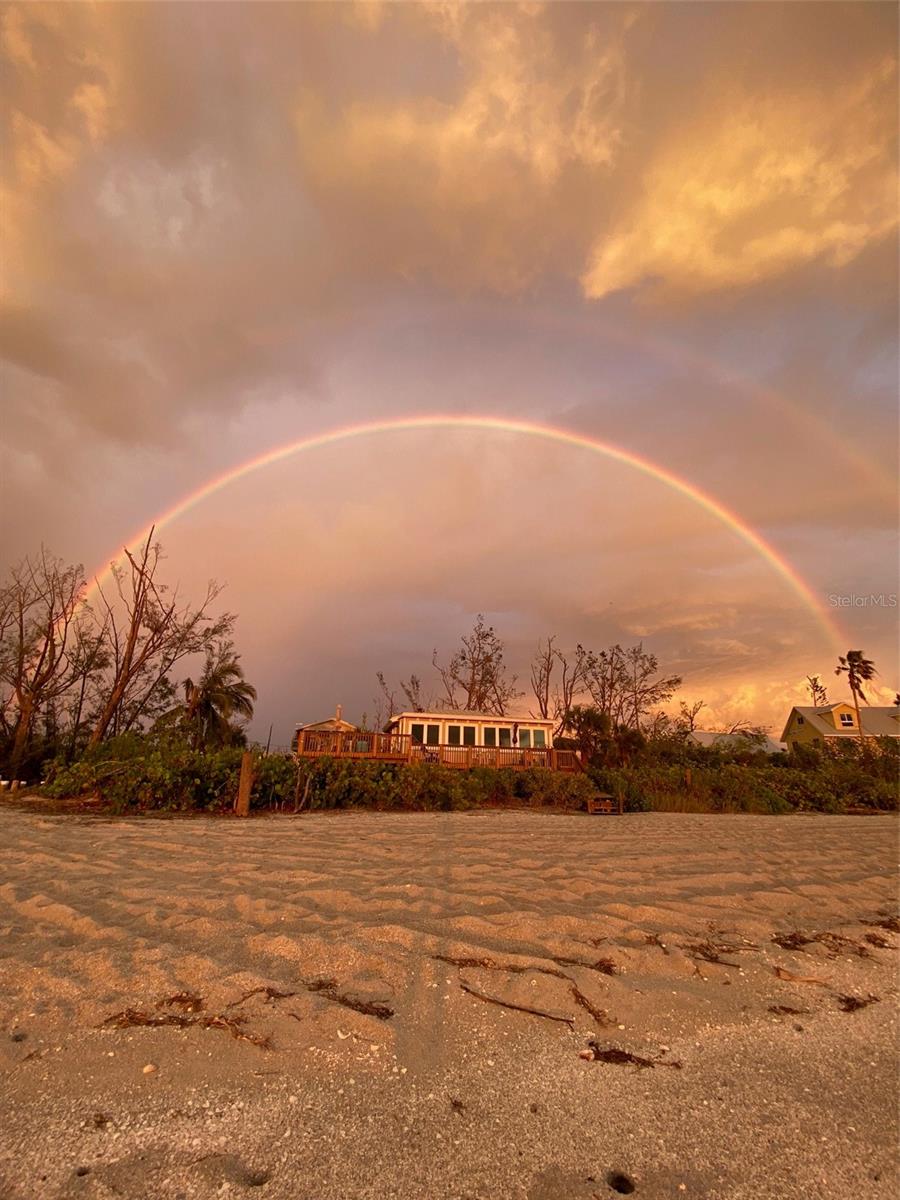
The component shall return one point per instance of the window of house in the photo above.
(468, 735)
(505, 737)
(418, 734)
(525, 738)
(433, 735)
(800, 720)
(846, 718)
(539, 739)
(453, 735)
(490, 737)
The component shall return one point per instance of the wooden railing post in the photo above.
(242, 804)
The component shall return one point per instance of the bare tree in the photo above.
(45, 644)
(554, 694)
(475, 679)
(148, 631)
(817, 691)
(542, 667)
(606, 680)
(687, 715)
(411, 690)
(625, 684)
(644, 687)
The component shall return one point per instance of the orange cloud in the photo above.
(475, 175)
(758, 185)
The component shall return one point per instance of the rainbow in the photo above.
(499, 425)
(683, 358)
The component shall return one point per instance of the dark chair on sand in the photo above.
(605, 802)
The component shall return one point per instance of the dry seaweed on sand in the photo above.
(329, 989)
(891, 924)
(187, 1001)
(600, 1015)
(834, 943)
(653, 939)
(854, 1003)
(787, 1011)
(605, 966)
(879, 940)
(131, 1017)
(623, 1058)
(711, 952)
(270, 993)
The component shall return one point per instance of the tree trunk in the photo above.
(23, 733)
(109, 711)
(859, 727)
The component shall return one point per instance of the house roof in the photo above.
(739, 741)
(462, 715)
(331, 725)
(334, 724)
(876, 722)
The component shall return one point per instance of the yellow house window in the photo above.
(846, 718)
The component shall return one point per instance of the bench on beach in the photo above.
(605, 802)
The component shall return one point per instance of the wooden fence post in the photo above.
(242, 804)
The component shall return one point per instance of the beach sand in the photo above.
(357, 973)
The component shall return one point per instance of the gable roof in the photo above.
(332, 725)
(876, 722)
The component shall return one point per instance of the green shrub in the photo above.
(144, 772)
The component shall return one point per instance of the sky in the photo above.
(668, 229)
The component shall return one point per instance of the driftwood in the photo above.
(790, 977)
(300, 803)
(535, 1012)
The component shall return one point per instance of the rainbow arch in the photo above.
(561, 436)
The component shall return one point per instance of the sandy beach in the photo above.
(496, 1004)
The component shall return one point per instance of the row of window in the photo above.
(464, 735)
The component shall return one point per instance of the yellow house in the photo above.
(833, 723)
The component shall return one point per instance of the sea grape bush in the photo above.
(142, 773)
(171, 776)
(823, 783)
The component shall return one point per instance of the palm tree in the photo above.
(220, 695)
(859, 670)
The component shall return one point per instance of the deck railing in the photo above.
(399, 747)
(356, 744)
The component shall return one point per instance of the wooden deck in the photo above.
(399, 747)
